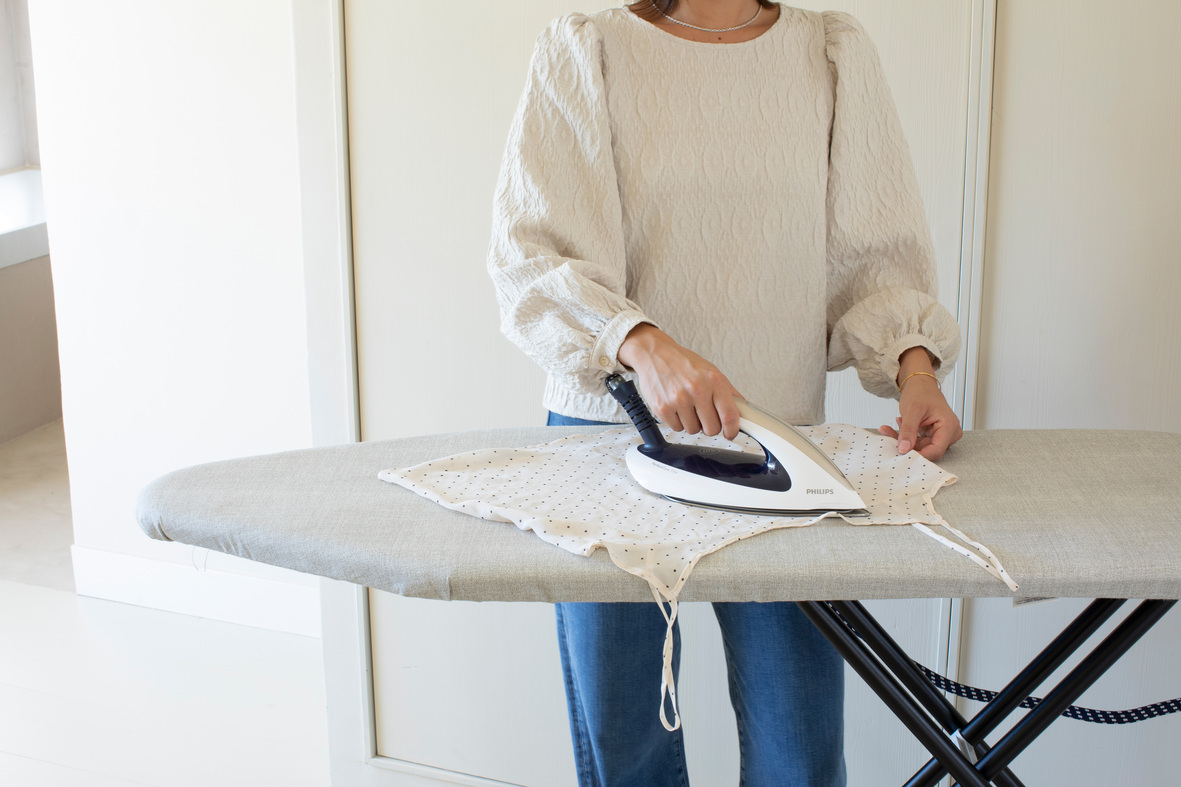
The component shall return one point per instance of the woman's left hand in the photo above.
(926, 421)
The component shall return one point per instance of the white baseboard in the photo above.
(215, 594)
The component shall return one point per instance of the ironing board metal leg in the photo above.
(1010, 698)
(887, 670)
(892, 693)
(896, 660)
(1050, 659)
(1073, 685)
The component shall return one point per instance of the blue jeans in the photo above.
(786, 686)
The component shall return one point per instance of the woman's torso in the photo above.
(721, 153)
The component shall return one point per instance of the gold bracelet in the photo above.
(914, 374)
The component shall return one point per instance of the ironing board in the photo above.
(1070, 513)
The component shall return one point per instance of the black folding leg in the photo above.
(1089, 670)
(1011, 696)
(903, 667)
(884, 678)
(881, 681)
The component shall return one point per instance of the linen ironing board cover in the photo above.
(1071, 513)
(577, 494)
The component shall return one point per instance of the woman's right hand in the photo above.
(683, 389)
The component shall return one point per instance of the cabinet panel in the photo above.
(430, 101)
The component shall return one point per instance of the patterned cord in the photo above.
(1077, 712)
(1074, 711)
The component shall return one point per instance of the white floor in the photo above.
(99, 694)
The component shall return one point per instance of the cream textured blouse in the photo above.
(756, 201)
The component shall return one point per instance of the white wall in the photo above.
(18, 117)
(169, 148)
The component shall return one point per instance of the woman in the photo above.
(715, 182)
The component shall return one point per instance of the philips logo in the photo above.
(820, 491)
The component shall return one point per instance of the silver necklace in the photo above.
(750, 21)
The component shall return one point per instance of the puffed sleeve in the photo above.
(557, 255)
(881, 266)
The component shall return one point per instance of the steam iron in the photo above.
(792, 478)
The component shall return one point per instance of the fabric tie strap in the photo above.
(668, 685)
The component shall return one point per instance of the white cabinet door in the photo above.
(1083, 275)
(476, 688)
(1080, 321)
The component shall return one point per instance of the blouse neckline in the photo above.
(659, 33)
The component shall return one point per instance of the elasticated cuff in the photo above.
(888, 361)
(604, 355)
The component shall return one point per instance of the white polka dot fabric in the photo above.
(577, 493)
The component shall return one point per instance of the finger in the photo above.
(671, 420)
(728, 412)
(711, 421)
(887, 431)
(688, 417)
